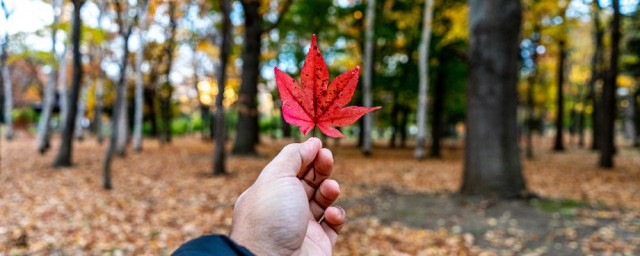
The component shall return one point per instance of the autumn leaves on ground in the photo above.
(396, 205)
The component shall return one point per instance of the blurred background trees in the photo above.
(567, 74)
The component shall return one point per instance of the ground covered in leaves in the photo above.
(396, 205)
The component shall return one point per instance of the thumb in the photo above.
(294, 159)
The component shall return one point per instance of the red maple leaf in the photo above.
(317, 102)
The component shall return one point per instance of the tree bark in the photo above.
(367, 97)
(99, 107)
(394, 120)
(166, 88)
(66, 146)
(424, 80)
(531, 80)
(438, 109)
(150, 100)
(629, 118)
(123, 118)
(6, 80)
(99, 91)
(44, 124)
(120, 97)
(403, 126)
(492, 159)
(636, 105)
(79, 130)
(247, 131)
(609, 94)
(139, 97)
(63, 94)
(559, 141)
(596, 74)
(219, 167)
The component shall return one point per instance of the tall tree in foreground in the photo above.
(247, 127)
(124, 30)
(219, 166)
(424, 79)
(492, 159)
(66, 146)
(6, 77)
(367, 98)
(139, 97)
(44, 124)
(609, 93)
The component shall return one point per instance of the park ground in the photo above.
(395, 205)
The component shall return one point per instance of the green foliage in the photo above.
(24, 116)
(562, 206)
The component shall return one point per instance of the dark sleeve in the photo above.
(211, 245)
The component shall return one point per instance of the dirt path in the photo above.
(537, 227)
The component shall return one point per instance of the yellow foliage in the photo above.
(207, 47)
(459, 24)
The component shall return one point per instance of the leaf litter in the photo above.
(164, 197)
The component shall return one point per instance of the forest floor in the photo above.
(395, 205)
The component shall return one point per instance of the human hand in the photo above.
(279, 213)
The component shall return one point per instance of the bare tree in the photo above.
(66, 146)
(367, 97)
(424, 79)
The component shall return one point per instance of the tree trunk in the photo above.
(166, 88)
(44, 124)
(66, 146)
(424, 80)
(636, 105)
(98, 107)
(120, 88)
(438, 109)
(629, 118)
(582, 123)
(609, 94)
(219, 167)
(99, 91)
(79, 130)
(403, 126)
(8, 100)
(123, 118)
(394, 120)
(149, 99)
(62, 87)
(596, 73)
(367, 97)
(531, 80)
(247, 129)
(492, 159)
(139, 97)
(559, 141)
(6, 80)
